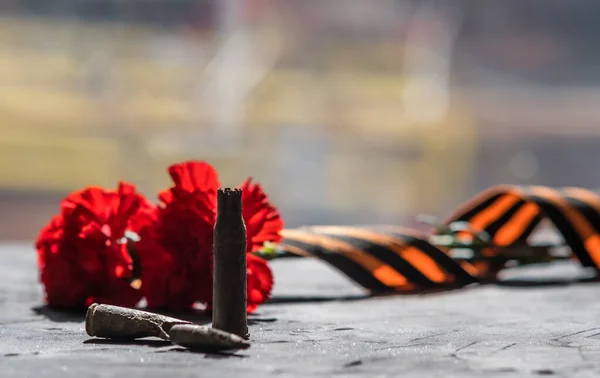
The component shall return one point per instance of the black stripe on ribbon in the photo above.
(386, 256)
(441, 258)
(350, 268)
(505, 218)
(468, 214)
(586, 210)
(560, 221)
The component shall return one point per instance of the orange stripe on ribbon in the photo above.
(417, 258)
(383, 272)
(483, 219)
(512, 230)
(480, 198)
(582, 226)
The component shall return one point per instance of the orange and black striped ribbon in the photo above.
(388, 258)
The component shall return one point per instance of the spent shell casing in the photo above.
(121, 323)
(229, 265)
(204, 338)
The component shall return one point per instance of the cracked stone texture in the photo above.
(320, 324)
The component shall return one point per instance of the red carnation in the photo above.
(260, 281)
(263, 222)
(177, 240)
(80, 254)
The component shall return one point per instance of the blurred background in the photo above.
(347, 111)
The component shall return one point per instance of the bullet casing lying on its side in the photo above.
(205, 338)
(114, 322)
(120, 323)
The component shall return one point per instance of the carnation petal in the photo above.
(79, 252)
(194, 175)
(263, 220)
(260, 282)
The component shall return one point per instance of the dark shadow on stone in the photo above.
(430, 291)
(282, 299)
(60, 315)
(520, 283)
(252, 320)
(212, 355)
(426, 291)
(143, 342)
(222, 355)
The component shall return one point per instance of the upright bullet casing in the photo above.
(229, 280)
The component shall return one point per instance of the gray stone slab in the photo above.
(320, 324)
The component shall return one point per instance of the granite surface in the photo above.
(320, 324)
